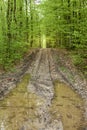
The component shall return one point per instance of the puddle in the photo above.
(69, 105)
(19, 106)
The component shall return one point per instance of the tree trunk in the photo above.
(27, 20)
(31, 19)
(9, 20)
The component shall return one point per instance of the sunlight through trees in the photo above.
(23, 23)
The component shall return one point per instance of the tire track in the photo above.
(41, 84)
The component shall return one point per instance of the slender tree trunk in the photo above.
(9, 20)
(21, 18)
(31, 19)
(69, 22)
(27, 20)
(15, 20)
(15, 12)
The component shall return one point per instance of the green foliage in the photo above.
(24, 22)
(19, 29)
(77, 59)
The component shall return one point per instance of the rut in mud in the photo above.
(40, 105)
(41, 83)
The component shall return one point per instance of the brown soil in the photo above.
(46, 66)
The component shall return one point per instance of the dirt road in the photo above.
(44, 73)
(41, 84)
(46, 108)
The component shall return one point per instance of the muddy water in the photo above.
(69, 105)
(20, 106)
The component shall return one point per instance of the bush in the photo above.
(77, 59)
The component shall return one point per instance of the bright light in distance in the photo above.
(37, 1)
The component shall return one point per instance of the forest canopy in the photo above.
(26, 24)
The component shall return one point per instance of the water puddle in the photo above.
(18, 107)
(69, 105)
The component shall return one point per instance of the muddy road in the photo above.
(41, 83)
(46, 99)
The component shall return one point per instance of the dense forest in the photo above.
(26, 24)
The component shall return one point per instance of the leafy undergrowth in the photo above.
(79, 59)
(8, 60)
(12, 64)
(73, 58)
